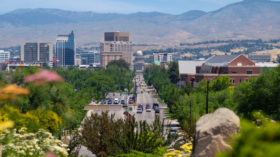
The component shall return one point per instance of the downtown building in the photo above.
(65, 50)
(238, 67)
(36, 52)
(90, 57)
(116, 46)
(4, 55)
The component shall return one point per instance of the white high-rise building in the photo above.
(4, 55)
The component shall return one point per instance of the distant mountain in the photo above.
(250, 19)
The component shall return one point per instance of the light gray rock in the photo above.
(213, 131)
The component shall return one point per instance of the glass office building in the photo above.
(91, 57)
(65, 49)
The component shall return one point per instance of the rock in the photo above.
(213, 131)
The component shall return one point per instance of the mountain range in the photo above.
(249, 19)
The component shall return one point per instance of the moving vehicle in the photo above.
(116, 101)
(130, 101)
(110, 101)
(122, 101)
(139, 110)
(148, 109)
(140, 106)
(157, 110)
(148, 106)
(155, 104)
(173, 132)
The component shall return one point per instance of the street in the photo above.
(143, 99)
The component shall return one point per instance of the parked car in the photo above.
(148, 106)
(116, 101)
(148, 109)
(155, 104)
(109, 101)
(103, 101)
(139, 110)
(122, 101)
(173, 132)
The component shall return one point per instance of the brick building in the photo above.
(244, 68)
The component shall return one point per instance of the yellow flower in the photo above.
(6, 125)
(11, 91)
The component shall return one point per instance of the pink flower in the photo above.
(44, 76)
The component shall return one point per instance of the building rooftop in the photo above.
(220, 60)
(266, 64)
(157, 62)
(188, 67)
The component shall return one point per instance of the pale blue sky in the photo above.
(118, 6)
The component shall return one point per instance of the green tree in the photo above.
(102, 83)
(119, 63)
(173, 72)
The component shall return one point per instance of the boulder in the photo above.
(213, 131)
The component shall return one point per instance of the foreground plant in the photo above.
(257, 139)
(31, 144)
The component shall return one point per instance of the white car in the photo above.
(116, 101)
(139, 110)
(148, 109)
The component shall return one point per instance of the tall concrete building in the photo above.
(66, 49)
(4, 55)
(116, 46)
(36, 52)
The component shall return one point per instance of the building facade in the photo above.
(66, 49)
(238, 67)
(32, 52)
(265, 57)
(116, 46)
(4, 55)
(162, 56)
(90, 57)
(139, 64)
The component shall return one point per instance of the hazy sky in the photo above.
(118, 6)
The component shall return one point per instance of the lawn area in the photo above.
(160, 101)
(168, 114)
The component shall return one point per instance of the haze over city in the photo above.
(139, 78)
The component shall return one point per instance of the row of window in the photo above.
(240, 80)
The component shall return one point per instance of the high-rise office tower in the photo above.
(90, 57)
(66, 49)
(116, 46)
(36, 52)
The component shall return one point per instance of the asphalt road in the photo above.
(143, 99)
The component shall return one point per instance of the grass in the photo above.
(168, 114)
(160, 101)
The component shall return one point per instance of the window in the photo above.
(239, 64)
(247, 80)
(240, 80)
(249, 72)
(231, 80)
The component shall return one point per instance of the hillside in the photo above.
(250, 19)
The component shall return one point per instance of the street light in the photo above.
(277, 118)
(208, 81)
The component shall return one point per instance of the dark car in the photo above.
(148, 106)
(154, 105)
(157, 110)
(140, 106)
(122, 102)
(109, 101)
(103, 102)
